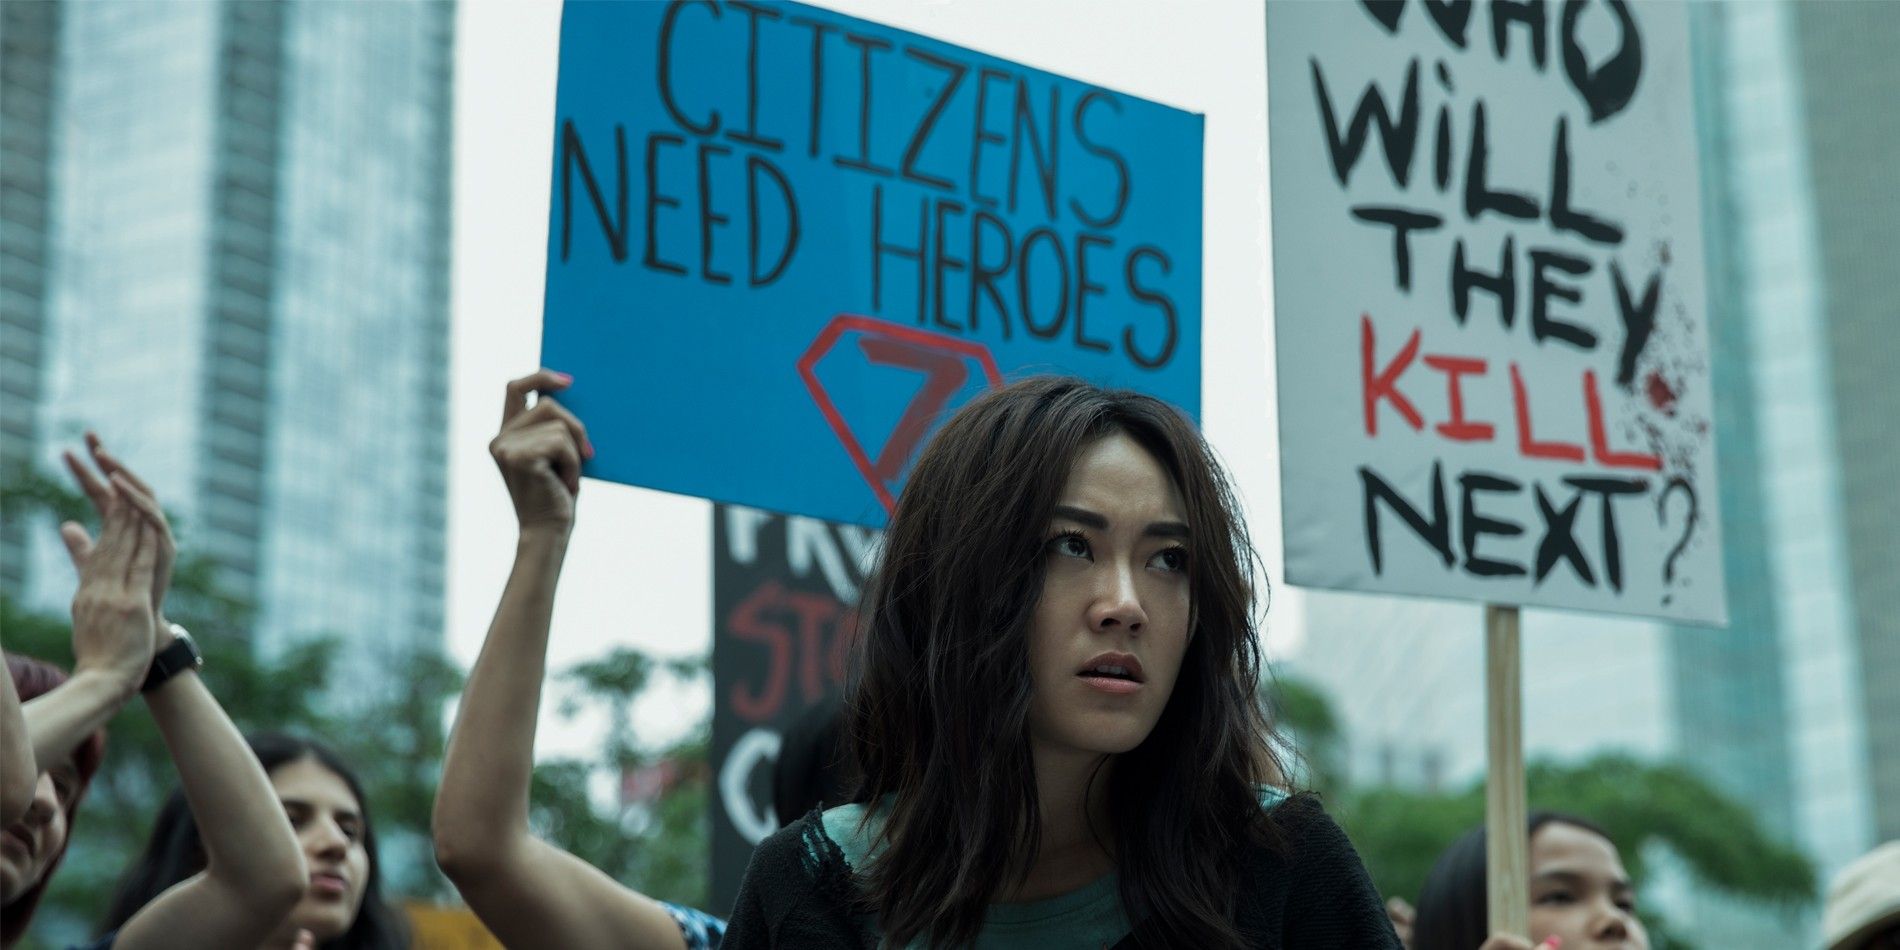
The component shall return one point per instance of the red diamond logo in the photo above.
(945, 362)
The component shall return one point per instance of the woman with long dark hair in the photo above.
(1580, 896)
(343, 907)
(1053, 710)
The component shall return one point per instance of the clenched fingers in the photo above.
(548, 408)
(543, 380)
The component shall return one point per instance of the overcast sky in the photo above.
(639, 569)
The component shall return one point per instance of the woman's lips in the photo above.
(325, 884)
(1110, 684)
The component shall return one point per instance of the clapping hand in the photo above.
(114, 625)
(121, 487)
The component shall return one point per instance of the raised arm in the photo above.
(18, 773)
(255, 869)
(527, 891)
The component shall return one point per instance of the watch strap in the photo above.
(180, 655)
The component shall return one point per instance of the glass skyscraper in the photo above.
(249, 295)
(28, 72)
(1780, 704)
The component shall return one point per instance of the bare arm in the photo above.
(18, 773)
(254, 867)
(527, 891)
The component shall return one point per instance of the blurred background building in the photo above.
(227, 250)
(1785, 709)
(29, 59)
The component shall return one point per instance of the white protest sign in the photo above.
(1489, 304)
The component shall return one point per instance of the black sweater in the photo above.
(1313, 895)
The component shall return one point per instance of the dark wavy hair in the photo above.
(1451, 905)
(176, 852)
(31, 679)
(940, 687)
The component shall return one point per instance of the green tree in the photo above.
(661, 848)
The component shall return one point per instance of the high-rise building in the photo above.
(1797, 715)
(1849, 86)
(29, 43)
(250, 294)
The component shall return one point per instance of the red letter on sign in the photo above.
(1458, 428)
(1600, 439)
(748, 622)
(1527, 443)
(1384, 385)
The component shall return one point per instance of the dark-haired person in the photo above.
(1581, 897)
(1053, 711)
(35, 841)
(813, 768)
(342, 909)
(123, 648)
(527, 891)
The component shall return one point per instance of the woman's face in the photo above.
(29, 847)
(1580, 892)
(1112, 623)
(329, 822)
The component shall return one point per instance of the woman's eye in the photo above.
(1172, 559)
(1555, 897)
(1071, 545)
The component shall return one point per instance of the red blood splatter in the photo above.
(1660, 395)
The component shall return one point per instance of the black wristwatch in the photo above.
(176, 658)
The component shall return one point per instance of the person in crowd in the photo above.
(1581, 898)
(528, 892)
(35, 841)
(812, 769)
(1863, 903)
(1053, 711)
(122, 646)
(342, 908)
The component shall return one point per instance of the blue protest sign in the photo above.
(784, 243)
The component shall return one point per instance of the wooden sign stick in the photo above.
(1507, 858)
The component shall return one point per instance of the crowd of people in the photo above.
(1051, 740)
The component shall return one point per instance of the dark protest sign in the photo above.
(783, 594)
(782, 242)
(1488, 282)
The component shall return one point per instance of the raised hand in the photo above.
(107, 493)
(114, 626)
(539, 451)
